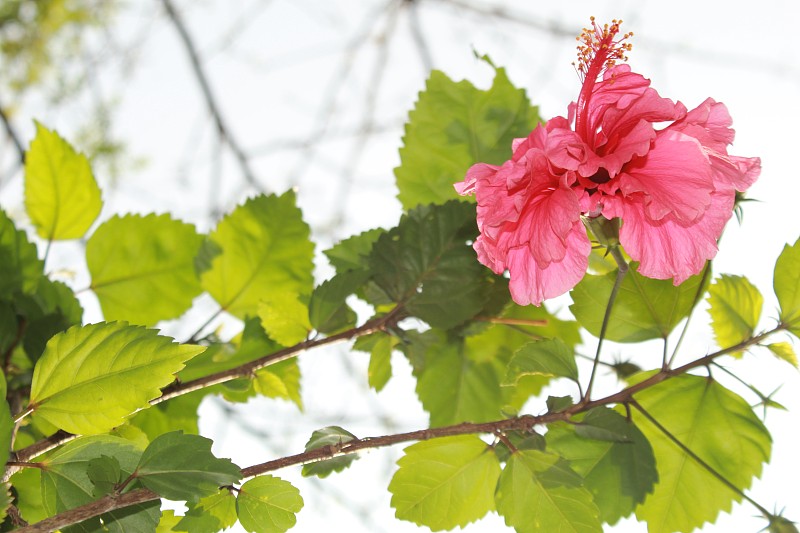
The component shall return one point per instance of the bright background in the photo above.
(316, 92)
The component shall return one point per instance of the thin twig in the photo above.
(202, 79)
(13, 135)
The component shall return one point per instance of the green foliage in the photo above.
(264, 249)
(327, 309)
(182, 467)
(454, 125)
(268, 504)
(444, 483)
(786, 283)
(547, 357)
(74, 379)
(20, 267)
(210, 514)
(718, 427)
(281, 380)
(285, 318)
(538, 491)
(329, 436)
(142, 268)
(644, 309)
(785, 351)
(735, 307)
(62, 198)
(612, 456)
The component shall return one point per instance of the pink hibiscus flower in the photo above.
(673, 188)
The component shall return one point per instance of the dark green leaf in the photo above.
(538, 492)
(104, 472)
(454, 125)
(139, 518)
(142, 268)
(644, 309)
(74, 379)
(182, 467)
(6, 426)
(549, 357)
(329, 436)
(209, 515)
(327, 309)
(716, 425)
(786, 282)
(612, 455)
(559, 403)
(265, 248)
(20, 267)
(352, 253)
(268, 504)
(62, 198)
(178, 413)
(444, 483)
(735, 307)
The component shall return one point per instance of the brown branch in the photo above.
(202, 79)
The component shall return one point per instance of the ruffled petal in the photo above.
(479, 171)
(671, 248)
(675, 178)
(532, 284)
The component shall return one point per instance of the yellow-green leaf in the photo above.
(735, 307)
(90, 378)
(285, 318)
(61, 195)
(268, 504)
(786, 282)
(785, 351)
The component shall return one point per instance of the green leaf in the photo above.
(715, 424)
(285, 318)
(210, 514)
(179, 413)
(444, 483)
(644, 309)
(20, 267)
(53, 308)
(142, 517)
(5, 500)
(539, 492)
(6, 422)
(104, 472)
(90, 378)
(268, 504)
(27, 484)
(379, 370)
(735, 307)
(168, 522)
(786, 282)
(426, 265)
(181, 467)
(142, 268)
(559, 403)
(328, 436)
(785, 351)
(352, 253)
(265, 248)
(281, 380)
(327, 309)
(61, 195)
(65, 481)
(618, 468)
(549, 357)
(454, 125)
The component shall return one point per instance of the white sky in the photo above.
(274, 68)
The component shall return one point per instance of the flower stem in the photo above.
(623, 269)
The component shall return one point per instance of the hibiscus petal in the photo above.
(675, 177)
(671, 248)
(532, 284)
(479, 171)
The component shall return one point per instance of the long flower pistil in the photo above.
(600, 49)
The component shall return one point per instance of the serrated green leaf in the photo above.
(379, 370)
(537, 492)
(62, 198)
(720, 428)
(327, 309)
(785, 351)
(619, 469)
(426, 265)
(281, 380)
(786, 282)
(5, 500)
(138, 518)
(104, 472)
(179, 413)
(181, 467)
(284, 317)
(90, 378)
(352, 253)
(549, 357)
(444, 483)
(20, 267)
(265, 248)
(142, 267)
(559, 403)
(65, 483)
(328, 436)
(735, 308)
(210, 514)
(268, 504)
(454, 125)
(168, 521)
(644, 309)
